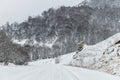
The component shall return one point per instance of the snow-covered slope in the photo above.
(66, 59)
(43, 70)
(47, 70)
(103, 56)
(63, 60)
(110, 61)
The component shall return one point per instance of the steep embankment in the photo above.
(103, 56)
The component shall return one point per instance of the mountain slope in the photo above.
(90, 57)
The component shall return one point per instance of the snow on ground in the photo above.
(47, 70)
(108, 42)
(110, 61)
(104, 56)
(66, 59)
(91, 54)
(48, 43)
(63, 60)
(50, 71)
(22, 42)
(44, 61)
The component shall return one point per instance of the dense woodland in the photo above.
(57, 31)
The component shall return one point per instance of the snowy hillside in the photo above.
(67, 40)
(58, 30)
(44, 70)
(103, 56)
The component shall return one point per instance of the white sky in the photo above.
(19, 10)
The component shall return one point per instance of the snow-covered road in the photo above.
(51, 72)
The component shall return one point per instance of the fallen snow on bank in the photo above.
(63, 60)
(104, 56)
(110, 61)
(22, 42)
(66, 59)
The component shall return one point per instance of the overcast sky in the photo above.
(19, 10)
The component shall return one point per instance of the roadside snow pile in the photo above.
(63, 60)
(44, 61)
(66, 59)
(104, 56)
(9, 64)
(87, 57)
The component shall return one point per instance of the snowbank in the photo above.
(104, 56)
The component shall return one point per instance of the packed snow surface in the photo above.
(47, 70)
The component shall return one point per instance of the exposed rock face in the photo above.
(110, 61)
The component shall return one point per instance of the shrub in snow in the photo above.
(11, 53)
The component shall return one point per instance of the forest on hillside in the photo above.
(57, 31)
